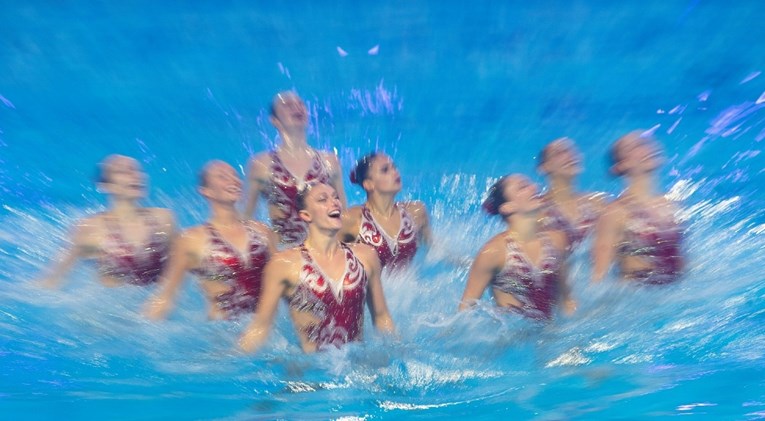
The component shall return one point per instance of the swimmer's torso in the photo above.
(121, 262)
(328, 311)
(576, 230)
(533, 288)
(651, 248)
(281, 191)
(232, 280)
(392, 252)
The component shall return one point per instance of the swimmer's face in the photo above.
(521, 195)
(561, 158)
(289, 111)
(637, 153)
(383, 175)
(124, 177)
(222, 183)
(323, 208)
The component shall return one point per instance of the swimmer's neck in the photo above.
(223, 215)
(123, 208)
(321, 243)
(640, 186)
(561, 189)
(382, 205)
(293, 140)
(522, 226)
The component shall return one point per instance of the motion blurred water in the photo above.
(459, 95)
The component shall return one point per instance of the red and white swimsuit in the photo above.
(393, 252)
(243, 273)
(657, 241)
(535, 287)
(140, 265)
(282, 191)
(337, 304)
(576, 231)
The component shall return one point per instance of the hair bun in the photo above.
(489, 206)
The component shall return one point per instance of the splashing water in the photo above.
(692, 348)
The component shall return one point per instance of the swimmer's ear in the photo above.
(103, 188)
(506, 209)
(368, 185)
(616, 169)
(204, 191)
(305, 216)
(275, 122)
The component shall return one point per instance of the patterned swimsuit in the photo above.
(338, 305)
(241, 273)
(535, 287)
(656, 241)
(282, 191)
(576, 231)
(393, 252)
(140, 265)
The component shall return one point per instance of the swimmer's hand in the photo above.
(252, 339)
(569, 307)
(156, 308)
(48, 283)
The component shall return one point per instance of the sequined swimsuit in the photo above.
(535, 287)
(576, 231)
(282, 191)
(139, 265)
(393, 252)
(241, 273)
(657, 241)
(338, 305)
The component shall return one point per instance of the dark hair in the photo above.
(101, 175)
(496, 197)
(361, 170)
(613, 158)
(302, 195)
(202, 177)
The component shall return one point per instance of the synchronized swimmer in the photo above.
(332, 258)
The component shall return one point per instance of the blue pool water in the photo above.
(459, 94)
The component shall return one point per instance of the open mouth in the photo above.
(335, 214)
(234, 189)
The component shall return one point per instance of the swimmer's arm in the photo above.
(482, 271)
(422, 220)
(274, 285)
(180, 261)
(378, 308)
(257, 179)
(68, 258)
(561, 242)
(336, 177)
(607, 236)
(350, 229)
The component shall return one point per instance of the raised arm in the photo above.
(378, 308)
(257, 179)
(607, 237)
(350, 229)
(274, 285)
(336, 176)
(485, 266)
(182, 258)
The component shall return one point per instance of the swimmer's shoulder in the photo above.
(260, 165)
(165, 216)
(366, 254)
